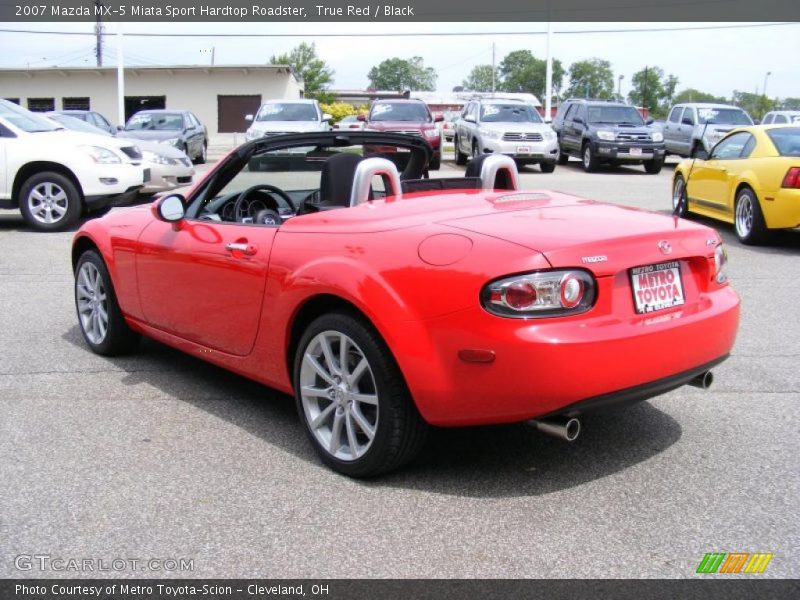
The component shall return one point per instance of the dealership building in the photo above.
(220, 96)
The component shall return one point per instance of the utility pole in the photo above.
(211, 51)
(493, 68)
(548, 78)
(98, 32)
(644, 92)
(120, 77)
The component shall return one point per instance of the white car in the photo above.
(53, 175)
(276, 117)
(779, 117)
(170, 168)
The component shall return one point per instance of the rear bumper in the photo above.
(546, 366)
(782, 210)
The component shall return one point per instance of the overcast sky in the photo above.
(716, 61)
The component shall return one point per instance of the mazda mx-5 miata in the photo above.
(325, 266)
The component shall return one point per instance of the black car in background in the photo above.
(180, 128)
(598, 131)
(91, 117)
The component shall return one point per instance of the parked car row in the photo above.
(57, 166)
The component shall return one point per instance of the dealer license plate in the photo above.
(656, 287)
(523, 149)
(636, 151)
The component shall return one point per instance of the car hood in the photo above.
(717, 127)
(524, 127)
(286, 126)
(567, 230)
(635, 130)
(68, 137)
(151, 134)
(399, 126)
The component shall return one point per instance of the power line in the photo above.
(415, 34)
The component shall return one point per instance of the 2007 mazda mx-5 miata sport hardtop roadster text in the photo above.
(323, 265)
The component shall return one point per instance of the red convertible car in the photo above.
(387, 303)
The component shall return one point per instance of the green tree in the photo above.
(316, 74)
(694, 95)
(521, 71)
(653, 91)
(757, 105)
(591, 78)
(480, 79)
(789, 103)
(400, 74)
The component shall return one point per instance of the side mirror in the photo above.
(170, 208)
(248, 118)
(438, 118)
(701, 154)
(327, 117)
(687, 121)
(649, 121)
(469, 119)
(120, 128)
(578, 120)
(361, 118)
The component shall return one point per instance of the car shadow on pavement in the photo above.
(496, 461)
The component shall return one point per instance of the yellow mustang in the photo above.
(751, 178)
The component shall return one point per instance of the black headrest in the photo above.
(502, 180)
(336, 182)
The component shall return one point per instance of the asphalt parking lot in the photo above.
(158, 455)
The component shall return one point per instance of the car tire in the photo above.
(563, 157)
(461, 158)
(476, 151)
(588, 160)
(680, 202)
(695, 147)
(203, 156)
(99, 316)
(50, 201)
(436, 161)
(751, 229)
(338, 425)
(653, 167)
(547, 167)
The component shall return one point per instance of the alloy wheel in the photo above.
(339, 395)
(744, 216)
(48, 202)
(677, 195)
(92, 303)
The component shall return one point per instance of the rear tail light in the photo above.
(540, 294)
(792, 178)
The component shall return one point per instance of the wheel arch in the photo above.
(80, 245)
(32, 168)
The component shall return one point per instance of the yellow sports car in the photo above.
(751, 179)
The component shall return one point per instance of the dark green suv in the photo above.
(599, 132)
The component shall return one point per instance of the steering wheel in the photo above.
(256, 188)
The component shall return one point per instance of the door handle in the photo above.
(243, 247)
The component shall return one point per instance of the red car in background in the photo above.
(386, 302)
(410, 117)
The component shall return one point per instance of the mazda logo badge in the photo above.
(665, 246)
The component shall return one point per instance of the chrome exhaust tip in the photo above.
(567, 429)
(703, 381)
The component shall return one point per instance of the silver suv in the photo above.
(510, 127)
(287, 116)
(690, 127)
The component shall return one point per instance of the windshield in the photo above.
(786, 140)
(76, 124)
(288, 112)
(412, 112)
(25, 119)
(724, 116)
(509, 113)
(155, 121)
(619, 115)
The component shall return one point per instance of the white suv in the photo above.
(276, 117)
(53, 175)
